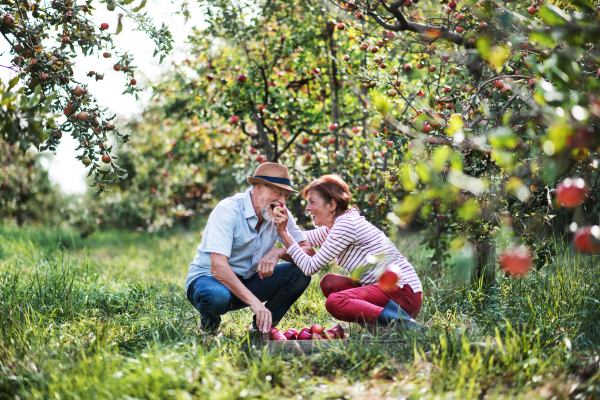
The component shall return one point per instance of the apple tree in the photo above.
(45, 39)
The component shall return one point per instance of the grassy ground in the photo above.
(107, 318)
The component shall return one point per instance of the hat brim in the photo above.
(252, 180)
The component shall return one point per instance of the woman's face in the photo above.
(322, 213)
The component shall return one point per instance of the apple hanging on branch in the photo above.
(516, 261)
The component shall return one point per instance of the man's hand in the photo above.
(281, 219)
(264, 319)
(267, 264)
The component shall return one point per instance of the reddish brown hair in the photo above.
(331, 187)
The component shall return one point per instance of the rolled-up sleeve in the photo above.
(219, 231)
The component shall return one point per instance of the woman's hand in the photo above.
(281, 218)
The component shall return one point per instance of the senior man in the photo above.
(236, 265)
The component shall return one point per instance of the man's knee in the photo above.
(215, 300)
(326, 283)
(299, 280)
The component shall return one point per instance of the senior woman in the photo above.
(345, 235)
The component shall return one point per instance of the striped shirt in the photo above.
(358, 247)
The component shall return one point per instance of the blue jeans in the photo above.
(279, 290)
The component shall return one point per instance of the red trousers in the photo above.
(350, 302)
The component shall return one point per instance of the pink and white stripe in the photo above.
(355, 243)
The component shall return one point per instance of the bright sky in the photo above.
(63, 168)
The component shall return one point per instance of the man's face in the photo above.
(268, 197)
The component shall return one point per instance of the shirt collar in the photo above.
(248, 206)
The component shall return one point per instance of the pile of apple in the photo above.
(315, 332)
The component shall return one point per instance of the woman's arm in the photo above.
(339, 238)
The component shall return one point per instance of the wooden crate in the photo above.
(305, 346)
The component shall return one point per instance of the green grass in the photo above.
(107, 317)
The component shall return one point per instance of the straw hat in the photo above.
(274, 174)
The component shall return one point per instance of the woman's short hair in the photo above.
(331, 187)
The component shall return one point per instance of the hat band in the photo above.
(274, 180)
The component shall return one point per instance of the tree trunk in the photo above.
(484, 266)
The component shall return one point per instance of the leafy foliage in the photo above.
(45, 37)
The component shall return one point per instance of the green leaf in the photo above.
(138, 8)
(13, 82)
(119, 24)
(553, 15)
(542, 38)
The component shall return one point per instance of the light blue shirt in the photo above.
(230, 232)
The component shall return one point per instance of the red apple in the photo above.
(531, 10)
(421, 93)
(316, 336)
(358, 15)
(305, 140)
(447, 10)
(307, 156)
(331, 140)
(133, 82)
(272, 332)
(258, 158)
(364, 46)
(104, 26)
(106, 54)
(388, 280)
(483, 25)
(279, 336)
(389, 143)
(333, 127)
(291, 334)
(432, 68)
(571, 192)
(252, 150)
(339, 332)
(355, 129)
(374, 49)
(341, 26)
(65, 39)
(316, 328)
(105, 158)
(460, 29)
(407, 67)
(304, 335)
(329, 334)
(452, 4)
(446, 89)
(242, 77)
(234, 119)
(408, 3)
(516, 261)
(426, 128)
(261, 107)
(587, 239)
(346, 57)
